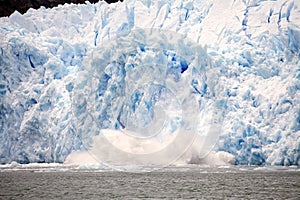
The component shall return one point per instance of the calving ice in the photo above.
(145, 79)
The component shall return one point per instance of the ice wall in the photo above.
(47, 92)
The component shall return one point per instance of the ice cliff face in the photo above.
(50, 100)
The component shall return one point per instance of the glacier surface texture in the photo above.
(64, 72)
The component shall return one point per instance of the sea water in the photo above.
(170, 183)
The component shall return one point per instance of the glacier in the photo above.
(64, 72)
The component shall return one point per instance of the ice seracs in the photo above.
(45, 71)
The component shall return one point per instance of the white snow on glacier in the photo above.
(64, 72)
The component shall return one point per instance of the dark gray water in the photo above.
(171, 184)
